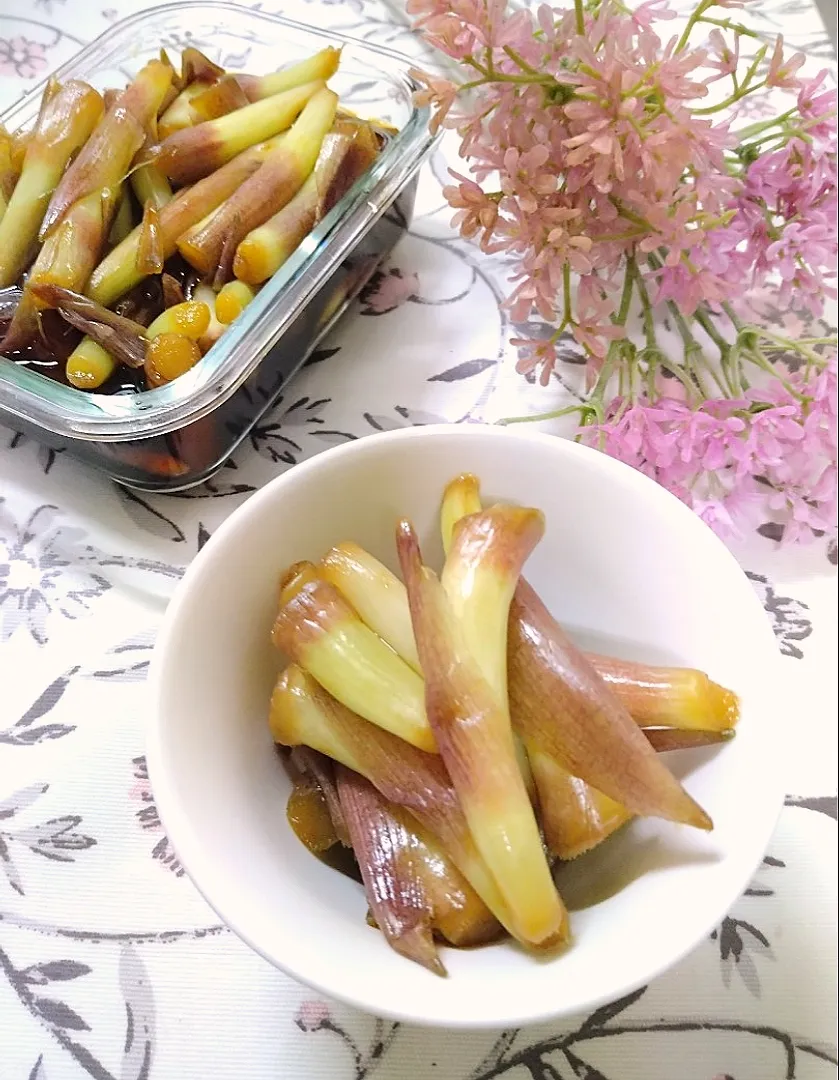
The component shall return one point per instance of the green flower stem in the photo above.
(647, 313)
(759, 360)
(733, 316)
(536, 418)
(626, 295)
(764, 125)
(694, 354)
(490, 75)
(692, 21)
(630, 358)
(727, 24)
(580, 17)
(801, 346)
(746, 87)
(567, 318)
(732, 99)
(522, 63)
(726, 366)
(653, 355)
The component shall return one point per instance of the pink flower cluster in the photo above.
(784, 217)
(600, 144)
(776, 445)
(611, 164)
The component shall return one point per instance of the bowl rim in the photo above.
(171, 813)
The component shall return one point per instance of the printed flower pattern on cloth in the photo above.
(22, 57)
(149, 819)
(388, 290)
(55, 839)
(313, 1015)
(789, 617)
(40, 577)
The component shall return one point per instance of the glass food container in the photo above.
(180, 434)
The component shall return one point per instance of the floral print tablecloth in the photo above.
(111, 966)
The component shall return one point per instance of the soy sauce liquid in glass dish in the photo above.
(49, 352)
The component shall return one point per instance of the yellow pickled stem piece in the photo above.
(232, 300)
(189, 319)
(169, 356)
(89, 365)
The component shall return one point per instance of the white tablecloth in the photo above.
(111, 966)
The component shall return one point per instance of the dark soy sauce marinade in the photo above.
(48, 355)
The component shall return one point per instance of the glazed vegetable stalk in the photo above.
(381, 601)
(308, 815)
(575, 817)
(179, 114)
(469, 721)
(107, 155)
(321, 633)
(197, 66)
(459, 914)
(8, 171)
(320, 67)
(173, 341)
(117, 273)
(303, 713)
(90, 364)
(123, 221)
(386, 856)
(19, 140)
(64, 125)
(150, 258)
(669, 696)
(66, 259)
(664, 739)
(218, 99)
(412, 885)
(168, 347)
(264, 250)
(190, 319)
(215, 329)
(196, 152)
(232, 300)
(376, 594)
(559, 702)
(120, 336)
(212, 246)
(461, 499)
(210, 94)
(150, 185)
(168, 357)
(322, 770)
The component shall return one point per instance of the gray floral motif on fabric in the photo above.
(567, 1055)
(34, 986)
(49, 572)
(40, 575)
(790, 620)
(149, 818)
(56, 839)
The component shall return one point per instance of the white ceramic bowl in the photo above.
(623, 564)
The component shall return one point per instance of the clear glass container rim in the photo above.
(69, 412)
